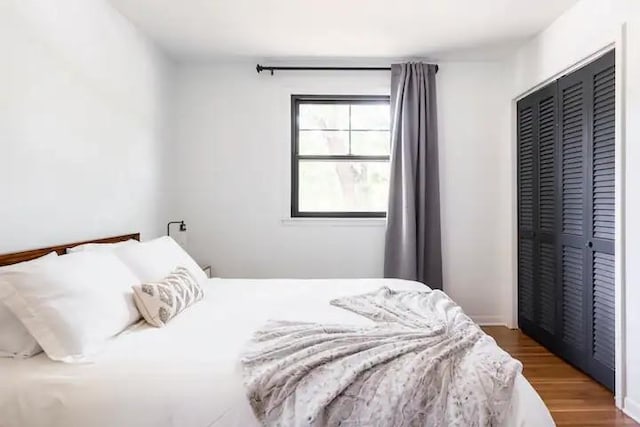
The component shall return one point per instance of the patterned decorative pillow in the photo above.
(159, 302)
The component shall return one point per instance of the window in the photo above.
(340, 156)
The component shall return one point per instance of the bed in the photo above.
(187, 373)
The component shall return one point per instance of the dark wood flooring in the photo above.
(573, 398)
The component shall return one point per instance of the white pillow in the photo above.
(155, 259)
(72, 304)
(15, 339)
(101, 247)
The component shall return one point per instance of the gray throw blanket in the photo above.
(423, 363)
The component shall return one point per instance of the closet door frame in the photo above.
(580, 237)
(618, 42)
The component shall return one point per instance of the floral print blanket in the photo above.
(422, 362)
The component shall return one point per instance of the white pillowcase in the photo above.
(155, 259)
(101, 247)
(72, 304)
(15, 339)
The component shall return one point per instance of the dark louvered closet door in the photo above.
(546, 235)
(537, 118)
(587, 156)
(572, 257)
(527, 209)
(602, 225)
(566, 198)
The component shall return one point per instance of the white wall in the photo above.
(81, 124)
(587, 28)
(232, 153)
(474, 186)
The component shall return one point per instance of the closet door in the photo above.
(546, 233)
(537, 147)
(573, 312)
(566, 217)
(586, 252)
(527, 212)
(600, 252)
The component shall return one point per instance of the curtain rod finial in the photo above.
(261, 68)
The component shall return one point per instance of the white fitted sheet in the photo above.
(187, 374)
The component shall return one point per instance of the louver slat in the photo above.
(547, 287)
(546, 144)
(603, 309)
(572, 279)
(604, 154)
(525, 167)
(525, 279)
(572, 159)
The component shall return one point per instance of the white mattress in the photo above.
(187, 373)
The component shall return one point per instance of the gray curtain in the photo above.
(413, 247)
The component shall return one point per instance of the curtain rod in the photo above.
(261, 68)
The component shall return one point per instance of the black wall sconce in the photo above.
(183, 226)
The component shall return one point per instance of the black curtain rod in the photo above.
(271, 69)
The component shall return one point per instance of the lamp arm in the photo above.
(183, 227)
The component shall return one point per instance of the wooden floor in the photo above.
(573, 398)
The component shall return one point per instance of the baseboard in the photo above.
(631, 408)
(489, 320)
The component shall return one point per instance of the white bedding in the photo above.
(187, 374)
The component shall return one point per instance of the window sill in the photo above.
(335, 222)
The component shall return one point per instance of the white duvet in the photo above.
(187, 374)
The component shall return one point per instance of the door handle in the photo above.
(589, 244)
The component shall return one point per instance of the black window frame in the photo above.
(296, 100)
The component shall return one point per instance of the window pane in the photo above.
(343, 186)
(370, 116)
(324, 116)
(370, 143)
(323, 142)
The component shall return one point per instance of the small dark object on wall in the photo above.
(183, 226)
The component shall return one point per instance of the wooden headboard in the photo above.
(17, 257)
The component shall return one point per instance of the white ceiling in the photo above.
(340, 28)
